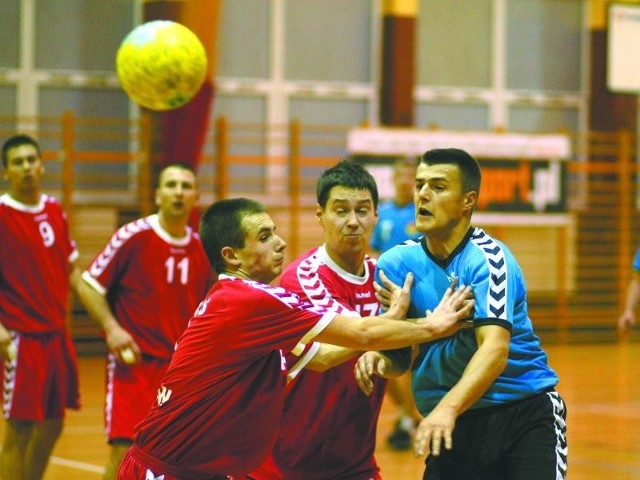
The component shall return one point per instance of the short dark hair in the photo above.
(221, 226)
(470, 174)
(346, 173)
(17, 141)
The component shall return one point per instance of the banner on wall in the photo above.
(623, 43)
(520, 172)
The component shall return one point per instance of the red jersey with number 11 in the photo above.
(153, 282)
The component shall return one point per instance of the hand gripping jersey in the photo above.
(328, 429)
(219, 406)
(35, 256)
(153, 282)
(491, 270)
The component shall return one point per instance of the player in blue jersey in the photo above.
(487, 394)
(628, 317)
(397, 215)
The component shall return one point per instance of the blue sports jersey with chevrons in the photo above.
(500, 294)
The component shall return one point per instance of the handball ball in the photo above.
(161, 64)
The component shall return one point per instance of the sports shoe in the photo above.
(401, 437)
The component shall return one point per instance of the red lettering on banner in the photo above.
(505, 185)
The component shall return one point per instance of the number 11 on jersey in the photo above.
(182, 266)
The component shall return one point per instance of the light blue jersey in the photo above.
(395, 225)
(636, 260)
(500, 294)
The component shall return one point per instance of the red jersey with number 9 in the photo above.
(35, 256)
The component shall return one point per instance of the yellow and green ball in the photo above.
(161, 64)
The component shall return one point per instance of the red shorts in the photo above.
(131, 390)
(136, 465)
(43, 379)
(132, 469)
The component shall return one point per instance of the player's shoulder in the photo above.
(308, 261)
(46, 204)
(44, 200)
(228, 288)
(52, 204)
(5, 201)
(130, 237)
(49, 200)
(261, 294)
(399, 260)
(402, 250)
(5, 208)
(486, 246)
(133, 228)
(304, 268)
(483, 252)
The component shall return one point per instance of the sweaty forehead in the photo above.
(442, 171)
(174, 174)
(22, 151)
(341, 194)
(253, 224)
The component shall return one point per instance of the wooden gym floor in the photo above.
(600, 384)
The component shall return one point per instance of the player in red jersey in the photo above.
(141, 288)
(328, 429)
(37, 272)
(219, 405)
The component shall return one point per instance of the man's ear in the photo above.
(229, 256)
(319, 213)
(470, 200)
